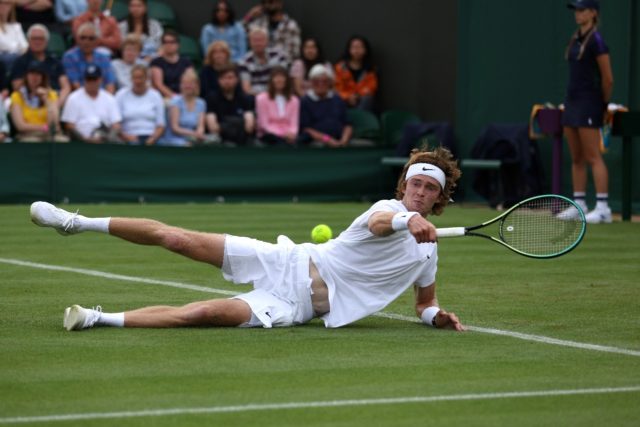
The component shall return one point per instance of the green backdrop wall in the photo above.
(510, 56)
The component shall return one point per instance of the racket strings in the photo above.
(537, 229)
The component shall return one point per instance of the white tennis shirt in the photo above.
(365, 272)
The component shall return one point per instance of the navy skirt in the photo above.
(583, 111)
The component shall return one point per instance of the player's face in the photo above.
(420, 194)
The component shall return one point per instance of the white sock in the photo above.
(101, 225)
(579, 198)
(602, 201)
(111, 319)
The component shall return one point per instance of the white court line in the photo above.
(317, 404)
(518, 335)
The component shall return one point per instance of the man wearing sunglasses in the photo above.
(75, 60)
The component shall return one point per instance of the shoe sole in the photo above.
(71, 320)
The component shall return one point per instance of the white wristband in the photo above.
(429, 316)
(400, 220)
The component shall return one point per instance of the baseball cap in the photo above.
(320, 70)
(92, 72)
(584, 4)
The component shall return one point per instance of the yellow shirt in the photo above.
(33, 116)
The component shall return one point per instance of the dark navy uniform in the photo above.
(583, 105)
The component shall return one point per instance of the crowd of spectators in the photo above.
(127, 82)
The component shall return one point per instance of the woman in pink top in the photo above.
(278, 110)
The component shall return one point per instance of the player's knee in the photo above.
(203, 315)
(174, 240)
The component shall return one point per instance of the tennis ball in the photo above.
(321, 233)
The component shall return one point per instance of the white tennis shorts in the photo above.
(279, 274)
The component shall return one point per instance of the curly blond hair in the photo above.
(442, 158)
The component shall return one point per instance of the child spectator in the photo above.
(223, 27)
(278, 110)
(356, 79)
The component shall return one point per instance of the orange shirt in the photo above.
(347, 86)
(108, 31)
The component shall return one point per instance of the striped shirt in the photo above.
(257, 72)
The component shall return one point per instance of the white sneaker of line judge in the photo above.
(77, 317)
(599, 216)
(46, 215)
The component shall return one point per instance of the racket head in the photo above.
(535, 228)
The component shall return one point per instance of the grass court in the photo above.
(552, 342)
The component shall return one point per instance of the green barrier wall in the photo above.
(81, 173)
(511, 56)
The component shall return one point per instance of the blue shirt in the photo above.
(584, 73)
(66, 10)
(75, 64)
(187, 119)
(327, 115)
(234, 35)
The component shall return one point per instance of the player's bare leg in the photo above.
(205, 247)
(218, 312)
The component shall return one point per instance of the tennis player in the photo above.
(387, 249)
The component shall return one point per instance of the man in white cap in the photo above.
(387, 249)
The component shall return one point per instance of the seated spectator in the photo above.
(76, 60)
(107, 31)
(323, 114)
(4, 86)
(218, 57)
(223, 27)
(31, 12)
(230, 111)
(67, 10)
(4, 125)
(122, 67)
(257, 64)
(186, 114)
(142, 110)
(91, 114)
(149, 30)
(34, 108)
(278, 110)
(38, 38)
(13, 43)
(283, 31)
(356, 79)
(167, 69)
(311, 55)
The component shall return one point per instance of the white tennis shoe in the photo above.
(599, 216)
(77, 317)
(46, 215)
(569, 214)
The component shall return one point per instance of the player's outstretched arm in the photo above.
(427, 303)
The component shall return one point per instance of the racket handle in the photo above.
(451, 232)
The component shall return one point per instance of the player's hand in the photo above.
(446, 320)
(422, 230)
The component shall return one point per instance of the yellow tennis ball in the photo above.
(321, 233)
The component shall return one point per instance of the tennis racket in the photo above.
(539, 227)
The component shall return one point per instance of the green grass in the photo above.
(590, 295)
